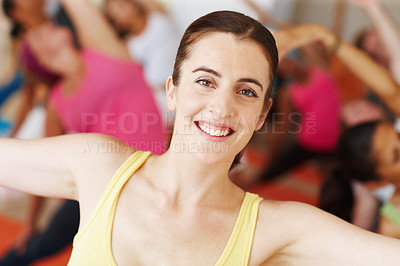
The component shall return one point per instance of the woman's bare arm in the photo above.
(61, 167)
(93, 29)
(375, 77)
(266, 18)
(328, 240)
(305, 235)
(40, 167)
(387, 30)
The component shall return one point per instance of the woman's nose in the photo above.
(222, 106)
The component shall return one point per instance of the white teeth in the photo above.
(213, 132)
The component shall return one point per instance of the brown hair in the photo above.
(240, 25)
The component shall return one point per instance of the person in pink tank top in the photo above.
(310, 103)
(101, 90)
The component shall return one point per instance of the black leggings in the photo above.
(59, 234)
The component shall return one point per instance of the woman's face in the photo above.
(49, 43)
(220, 96)
(386, 149)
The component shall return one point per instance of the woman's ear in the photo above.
(170, 94)
(263, 116)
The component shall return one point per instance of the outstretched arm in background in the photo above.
(151, 6)
(264, 17)
(338, 17)
(368, 71)
(387, 30)
(93, 29)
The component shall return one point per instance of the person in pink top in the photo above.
(319, 103)
(112, 98)
(311, 105)
(102, 90)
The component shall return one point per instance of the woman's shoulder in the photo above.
(283, 209)
(101, 157)
(292, 218)
(281, 225)
(98, 157)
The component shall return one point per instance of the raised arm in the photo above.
(339, 17)
(387, 30)
(370, 73)
(151, 5)
(93, 29)
(264, 17)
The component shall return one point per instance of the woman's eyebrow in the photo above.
(208, 70)
(250, 80)
(215, 73)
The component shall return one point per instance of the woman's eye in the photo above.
(248, 92)
(204, 82)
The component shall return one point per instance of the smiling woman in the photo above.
(180, 208)
(217, 103)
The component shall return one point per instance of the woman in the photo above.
(382, 42)
(368, 154)
(368, 151)
(180, 208)
(145, 26)
(101, 91)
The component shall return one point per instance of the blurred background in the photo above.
(302, 182)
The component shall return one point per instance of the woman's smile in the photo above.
(216, 131)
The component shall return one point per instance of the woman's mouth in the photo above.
(214, 130)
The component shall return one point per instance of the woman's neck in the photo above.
(186, 179)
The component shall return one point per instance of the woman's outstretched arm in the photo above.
(265, 17)
(375, 77)
(93, 29)
(305, 235)
(41, 167)
(69, 166)
(387, 30)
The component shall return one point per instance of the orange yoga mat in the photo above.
(9, 230)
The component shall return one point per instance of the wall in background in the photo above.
(184, 12)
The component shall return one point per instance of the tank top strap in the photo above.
(108, 201)
(124, 172)
(238, 249)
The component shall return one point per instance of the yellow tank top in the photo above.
(92, 244)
